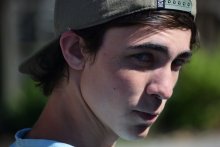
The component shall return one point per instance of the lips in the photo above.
(146, 116)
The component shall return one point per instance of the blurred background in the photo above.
(191, 117)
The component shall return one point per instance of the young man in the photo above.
(111, 70)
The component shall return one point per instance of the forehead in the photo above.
(175, 40)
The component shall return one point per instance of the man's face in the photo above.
(133, 76)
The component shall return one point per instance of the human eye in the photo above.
(178, 64)
(143, 59)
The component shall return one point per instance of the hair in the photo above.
(157, 20)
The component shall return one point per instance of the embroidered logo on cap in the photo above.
(160, 3)
(182, 5)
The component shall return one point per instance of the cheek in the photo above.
(108, 94)
(175, 78)
(110, 86)
(131, 85)
(100, 87)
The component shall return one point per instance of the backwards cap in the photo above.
(81, 14)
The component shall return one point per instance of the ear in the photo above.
(71, 48)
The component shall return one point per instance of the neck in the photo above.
(67, 118)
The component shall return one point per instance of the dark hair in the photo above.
(157, 20)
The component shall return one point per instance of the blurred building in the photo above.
(208, 21)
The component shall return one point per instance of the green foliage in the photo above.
(196, 101)
(27, 109)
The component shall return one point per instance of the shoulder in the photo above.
(21, 141)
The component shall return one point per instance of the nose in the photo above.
(161, 83)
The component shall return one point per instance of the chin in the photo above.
(139, 132)
(143, 134)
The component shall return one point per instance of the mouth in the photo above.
(149, 118)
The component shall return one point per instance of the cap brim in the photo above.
(32, 63)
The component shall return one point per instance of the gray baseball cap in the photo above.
(81, 14)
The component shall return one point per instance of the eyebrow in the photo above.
(161, 48)
(151, 46)
(186, 54)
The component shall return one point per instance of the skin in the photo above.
(119, 94)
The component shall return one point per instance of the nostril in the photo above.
(157, 96)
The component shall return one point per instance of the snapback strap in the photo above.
(182, 5)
